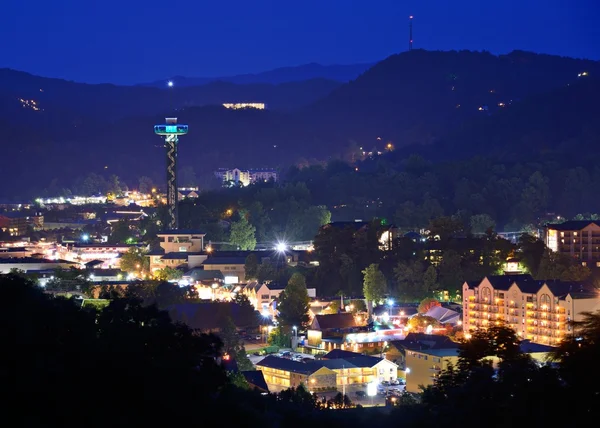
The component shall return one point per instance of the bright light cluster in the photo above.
(237, 106)
(32, 104)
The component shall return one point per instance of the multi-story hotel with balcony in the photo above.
(539, 311)
(579, 239)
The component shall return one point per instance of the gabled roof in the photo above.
(443, 315)
(225, 261)
(277, 363)
(503, 282)
(256, 380)
(528, 347)
(339, 353)
(572, 225)
(422, 341)
(334, 321)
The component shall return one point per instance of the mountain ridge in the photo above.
(334, 72)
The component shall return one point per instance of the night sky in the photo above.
(132, 41)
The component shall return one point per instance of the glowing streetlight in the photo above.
(281, 247)
(85, 237)
(170, 83)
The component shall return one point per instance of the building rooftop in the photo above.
(179, 255)
(181, 232)
(278, 363)
(571, 225)
(334, 321)
(422, 342)
(528, 285)
(256, 379)
(224, 260)
(529, 347)
(33, 260)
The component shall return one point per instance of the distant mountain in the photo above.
(338, 73)
(106, 101)
(418, 97)
(561, 124)
(445, 104)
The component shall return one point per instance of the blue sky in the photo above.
(131, 41)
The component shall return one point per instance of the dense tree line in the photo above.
(411, 191)
(350, 259)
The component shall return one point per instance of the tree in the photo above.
(233, 346)
(427, 304)
(445, 227)
(241, 235)
(430, 279)
(76, 338)
(294, 303)
(531, 252)
(410, 280)
(145, 185)
(121, 232)
(421, 322)
(374, 285)
(451, 275)
(481, 224)
(251, 266)
(280, 338)
(168, 274)
(135, 260)
(266, 272)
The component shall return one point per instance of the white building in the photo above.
(245, 177)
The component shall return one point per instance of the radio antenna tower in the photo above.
(410, 38)
(171, 131)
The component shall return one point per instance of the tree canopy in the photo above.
(293, 303)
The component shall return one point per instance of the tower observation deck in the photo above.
(171, 130)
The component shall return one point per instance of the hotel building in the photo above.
(577, 239)
(539, 311)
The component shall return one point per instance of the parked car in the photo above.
(385, 383)
(395, 382)
(258, 337)
(361, 394)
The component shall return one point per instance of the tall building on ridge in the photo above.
(245, 177)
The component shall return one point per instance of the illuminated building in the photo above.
(579, 239)
(238, 106)
(537, 310)
(171, 131)
(15, 223)
(426, 360)
(245, 177)
(328, 373)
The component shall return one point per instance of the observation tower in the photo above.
(171, 130)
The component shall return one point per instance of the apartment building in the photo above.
(578, 239)
(425, 364)
(539, 311)
(245, 177)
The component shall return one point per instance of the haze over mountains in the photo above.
(444, 104)
(337, 73)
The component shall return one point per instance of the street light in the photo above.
(281, 247)
(295, 337)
